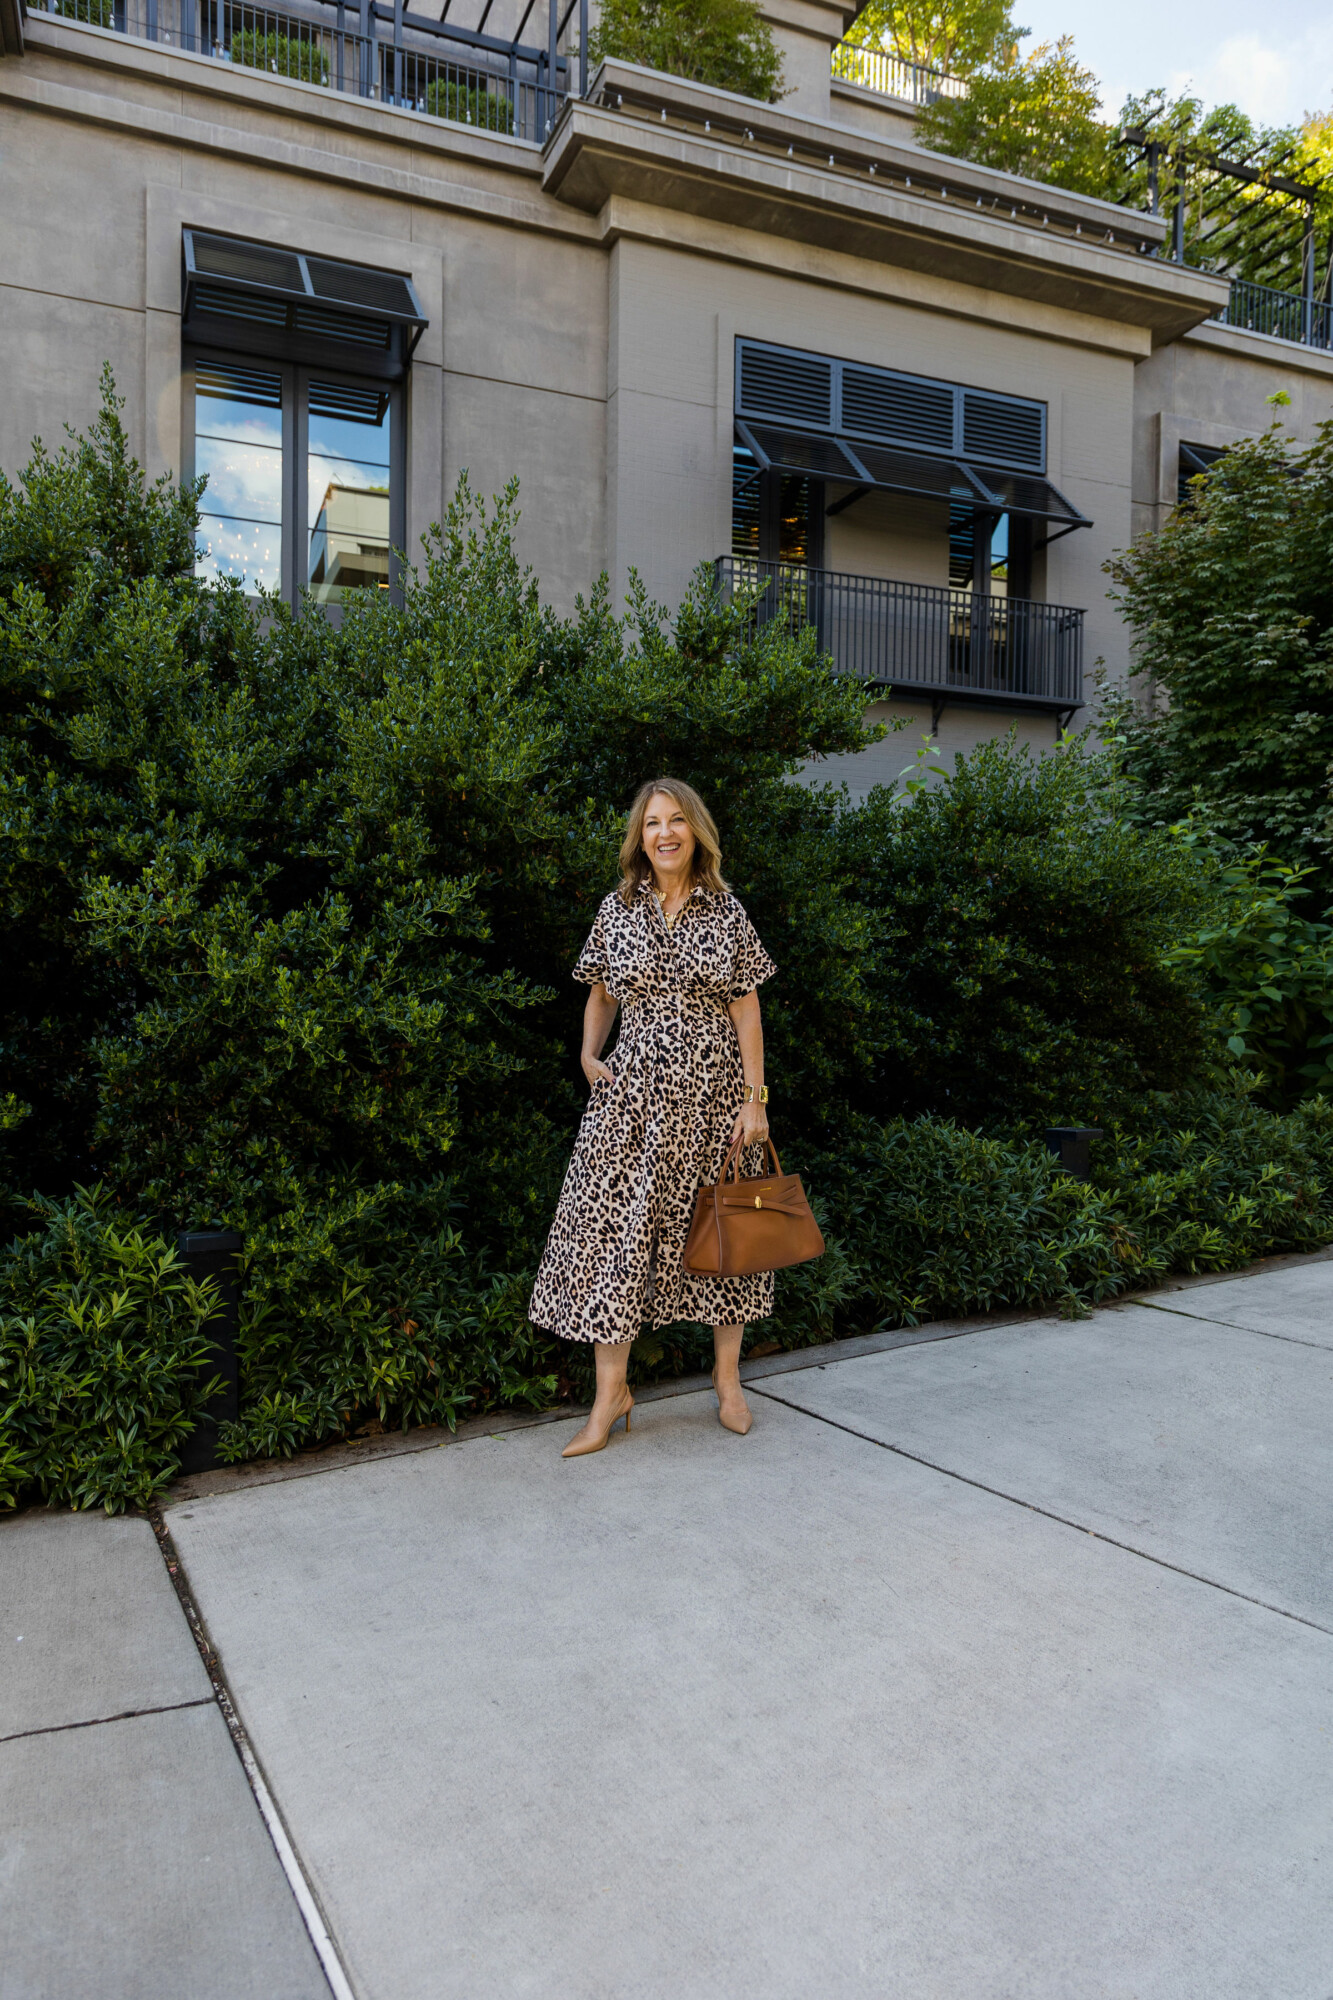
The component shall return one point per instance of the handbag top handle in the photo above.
(731, 1168)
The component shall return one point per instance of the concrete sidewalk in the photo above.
(985, 1667)
(133, 1860)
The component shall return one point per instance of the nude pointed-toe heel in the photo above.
(579, 1447)
(740, 1429)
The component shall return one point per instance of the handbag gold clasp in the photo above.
(757, 1202)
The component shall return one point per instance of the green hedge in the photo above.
(470, 104)
(284, 55)
(288, 911)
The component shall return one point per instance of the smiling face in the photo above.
(668, 842)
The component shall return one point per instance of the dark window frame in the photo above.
(296, 526)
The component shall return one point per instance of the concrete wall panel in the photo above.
(556, 447)
(960, 729)
(93, 184)
(675, 321)
(891, 535)
(54, 348)
(521, 308)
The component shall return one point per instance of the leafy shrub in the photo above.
(283, 910)
(288, 911)
(1266, 968)
(101, 1356)
(1232, 605)
(956, 40)
(470, 104)
(284, 55)
(1019, 928)
(726, 43)
(937, 1221)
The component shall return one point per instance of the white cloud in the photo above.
(1276, 63)
(1274, 86)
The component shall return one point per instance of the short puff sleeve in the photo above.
(593, 966)
(751, 964)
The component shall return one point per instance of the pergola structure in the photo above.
(1250, 219)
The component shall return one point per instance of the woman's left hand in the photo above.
(751, 1124)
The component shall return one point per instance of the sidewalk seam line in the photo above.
(1048, 1514)
(1259, 1332)
(303, 1893)
(99, 1721)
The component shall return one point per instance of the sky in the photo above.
(1275, 61)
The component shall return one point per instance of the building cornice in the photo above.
(608, 149)
(1264, 348)
(745, 200)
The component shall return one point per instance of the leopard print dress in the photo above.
(660, 1129)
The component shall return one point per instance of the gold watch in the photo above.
(761, 1093)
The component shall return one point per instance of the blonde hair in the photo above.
(706, 861)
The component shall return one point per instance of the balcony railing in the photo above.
(364, 48)
(946, 644)
(875, 69)
(1284, 315)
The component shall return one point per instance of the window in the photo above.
(1007, 570)
(304, 470)
(295, 376)
(1194, 460)
(775, 516)
(238, 448)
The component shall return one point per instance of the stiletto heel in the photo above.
(580, 1446)
(739, 1429)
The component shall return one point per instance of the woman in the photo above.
(672, 947)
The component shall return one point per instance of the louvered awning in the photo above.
(880, 429)
(266, 300)
(868, 468)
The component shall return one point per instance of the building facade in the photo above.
(339, 255)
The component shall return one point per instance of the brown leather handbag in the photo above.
(742, 1226)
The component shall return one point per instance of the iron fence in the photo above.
(359, 47)
(1285, 315)
(875, 69)
(919, 636)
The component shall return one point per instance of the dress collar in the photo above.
(646, 887)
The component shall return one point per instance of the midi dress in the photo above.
(659, 1129)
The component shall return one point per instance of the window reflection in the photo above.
(238, 445)
(347, 486)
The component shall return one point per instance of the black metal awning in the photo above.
(875, 468)
(297, 307)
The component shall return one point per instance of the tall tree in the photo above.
(955, 36)
(1232, 609)
(1038, 115)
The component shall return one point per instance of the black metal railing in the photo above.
(364, 48)
(920, 637)
(1284, 315)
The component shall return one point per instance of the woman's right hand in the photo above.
(595, 1071)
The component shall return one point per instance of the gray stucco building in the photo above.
(338, 253)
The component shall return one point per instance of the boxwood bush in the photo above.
(288, 913)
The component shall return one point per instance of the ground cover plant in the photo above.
(288, 913)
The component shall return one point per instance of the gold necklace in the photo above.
(670, 917)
